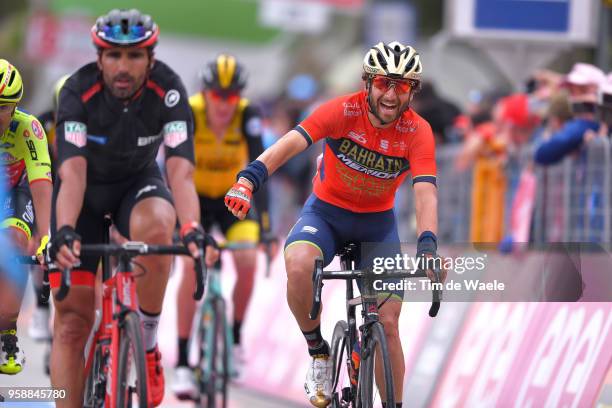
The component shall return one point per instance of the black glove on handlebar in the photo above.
(66, 235)
(210, 241)
(195, 233)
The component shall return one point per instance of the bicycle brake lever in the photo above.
(201, 272)
(65, 285)
(436, 296)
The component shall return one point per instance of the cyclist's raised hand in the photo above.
(65, 247)
(238, 198)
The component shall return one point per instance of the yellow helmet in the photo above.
(394, 60)
(11, 86)
(224, 74)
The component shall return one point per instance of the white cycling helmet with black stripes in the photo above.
(394, 60)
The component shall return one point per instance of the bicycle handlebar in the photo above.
(132, 249)
(318, 276)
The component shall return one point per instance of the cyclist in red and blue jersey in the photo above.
(373, 140)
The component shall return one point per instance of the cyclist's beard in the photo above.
(124, 86)
(384, 118)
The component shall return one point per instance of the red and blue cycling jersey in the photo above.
(363, 166)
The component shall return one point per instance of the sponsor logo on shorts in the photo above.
(172, 98)
(175, 133)
(145, 189)
(75, 133)
(28, 214)
(309, 229)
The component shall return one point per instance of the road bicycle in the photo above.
(115, 368)
(356, 348)
(215, 338)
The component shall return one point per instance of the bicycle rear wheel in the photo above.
(132, 370)
(375, 343)
(342, 390)
(214, 355)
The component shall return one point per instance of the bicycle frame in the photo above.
(118, 297)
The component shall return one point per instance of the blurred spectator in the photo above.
(439, 112)
(604, 105)
(300, 97)
(487, 145)
(582, 83)
(540, 88)
(558, 113)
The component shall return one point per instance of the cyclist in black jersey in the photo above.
(113, 116)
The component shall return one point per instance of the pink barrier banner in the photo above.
(528, 354)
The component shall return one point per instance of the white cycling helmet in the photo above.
(394, 60)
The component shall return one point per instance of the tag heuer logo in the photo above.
(75, 133)
(175, 133)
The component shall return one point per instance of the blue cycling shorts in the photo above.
(329, 228)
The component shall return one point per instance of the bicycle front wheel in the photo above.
(372, 345)
(213, 367)
(132, 370)
(342, 390)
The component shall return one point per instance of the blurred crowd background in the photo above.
(503, 81)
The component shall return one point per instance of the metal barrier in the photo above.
(572, 202)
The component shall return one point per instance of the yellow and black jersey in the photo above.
(218, 160)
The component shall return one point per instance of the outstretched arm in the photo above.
(284, 149)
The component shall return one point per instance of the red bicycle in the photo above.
(116, 367)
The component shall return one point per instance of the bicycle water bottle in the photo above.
(354, 365)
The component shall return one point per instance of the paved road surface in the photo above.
(33, 375)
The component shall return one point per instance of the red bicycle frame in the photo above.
(118, 296)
